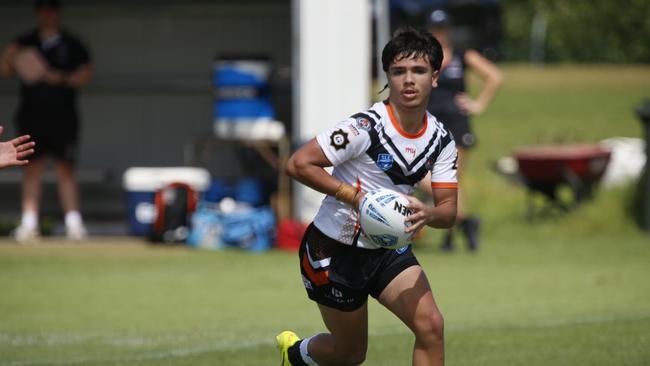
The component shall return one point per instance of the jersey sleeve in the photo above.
(343, 142)
(443, 171)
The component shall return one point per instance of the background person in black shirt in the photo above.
(47, 111)
(450, 104)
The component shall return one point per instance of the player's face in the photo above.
(410, 80)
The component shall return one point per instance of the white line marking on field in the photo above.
(56, 339)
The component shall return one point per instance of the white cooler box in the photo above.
(141, 185)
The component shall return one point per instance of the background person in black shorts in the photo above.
(47, 111)
(452, 106)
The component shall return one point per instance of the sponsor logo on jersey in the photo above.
(353, 130)
(363, 124)
(410, 150)
(384, 161)
(339, 139)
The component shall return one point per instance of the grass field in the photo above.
(572, 289)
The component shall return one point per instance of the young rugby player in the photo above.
(394, 144)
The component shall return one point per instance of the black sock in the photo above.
(448, 240)
(294, 355)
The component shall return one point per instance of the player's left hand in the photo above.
(419, 216)
(468, 105)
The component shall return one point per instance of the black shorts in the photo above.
(54, 129)
(456, 122)
(459, 126)
(342, 276)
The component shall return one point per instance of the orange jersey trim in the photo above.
(449, 185)
(399, 128)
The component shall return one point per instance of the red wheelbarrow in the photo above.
(544, 168)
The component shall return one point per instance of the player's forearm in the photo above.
(312, 175)
(442, 216)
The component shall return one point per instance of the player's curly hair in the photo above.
(412, 42)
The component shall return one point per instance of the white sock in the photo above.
(73, 219)
(29, 219)
(304, 353)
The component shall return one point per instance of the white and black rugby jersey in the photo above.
(370, 150)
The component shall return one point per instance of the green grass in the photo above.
(534, 300)
(571, 289)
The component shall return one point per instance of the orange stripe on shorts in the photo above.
(318, 278)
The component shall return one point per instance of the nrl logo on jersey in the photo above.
(384, 161)
(339, 139)
(363, 124)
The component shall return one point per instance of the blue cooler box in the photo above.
(242, 90)
(141, 185)
(243, 97)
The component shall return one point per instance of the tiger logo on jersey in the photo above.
(339, 139)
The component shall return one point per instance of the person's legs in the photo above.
(31, 196)
(347, 342)
(470, 225)
(32, 185)
(460, 164)
(333, 275)
(69, 196)
(410, 298)
(68, 189)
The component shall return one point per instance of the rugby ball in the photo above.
(381, 215)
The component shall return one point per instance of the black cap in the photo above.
(438, 19)
(56, 4)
